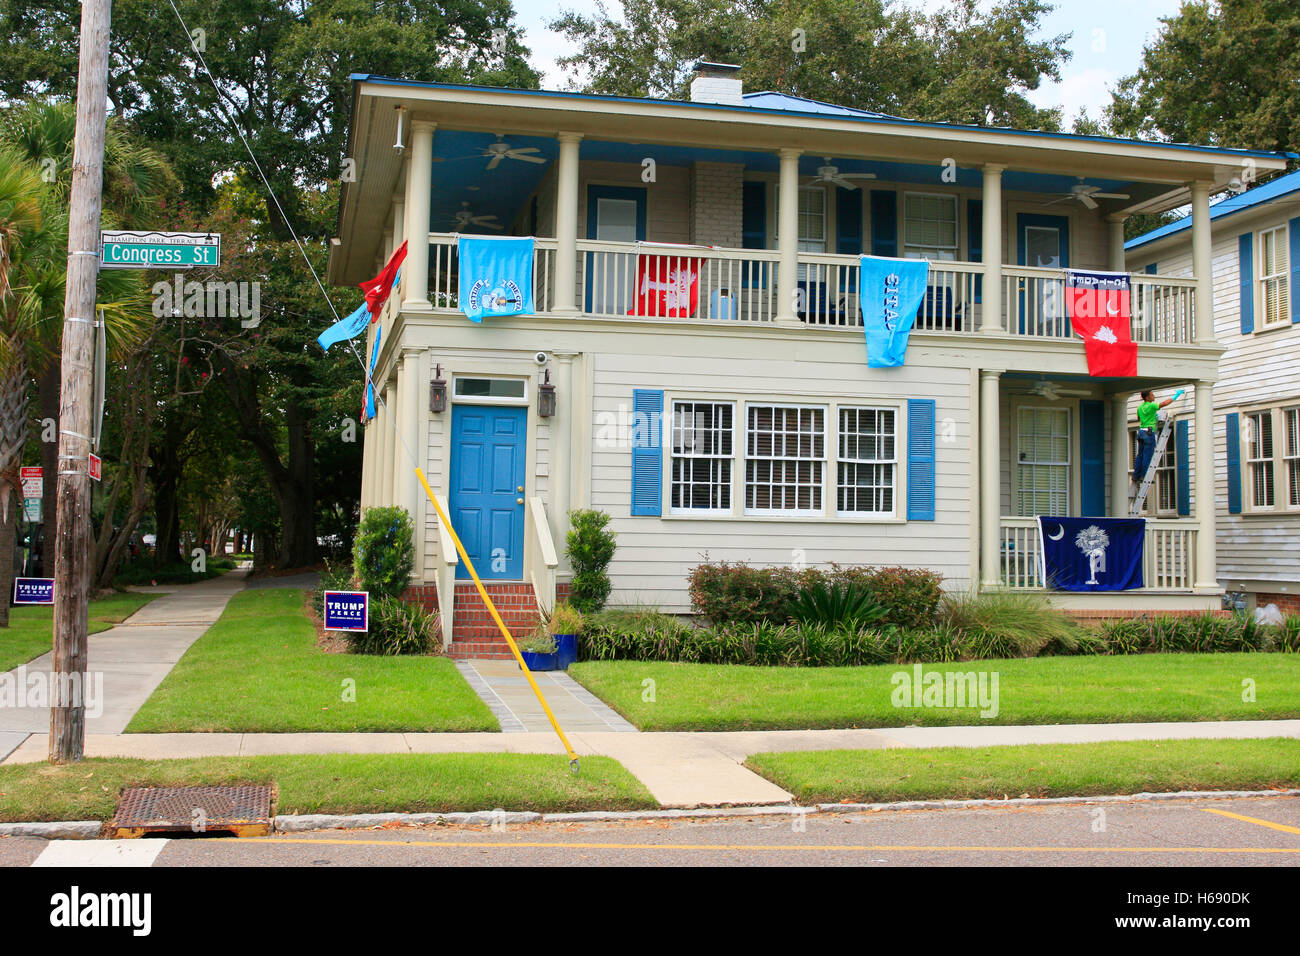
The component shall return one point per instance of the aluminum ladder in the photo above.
(1162, 441)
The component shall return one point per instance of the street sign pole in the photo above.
(72, 502)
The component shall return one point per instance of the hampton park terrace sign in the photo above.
(123, 249)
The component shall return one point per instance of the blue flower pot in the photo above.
(566, 649)
(539, 662)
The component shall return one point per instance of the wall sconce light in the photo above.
(438, 391)
(546, 397)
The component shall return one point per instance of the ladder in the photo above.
(1162, 441)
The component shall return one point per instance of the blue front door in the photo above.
(488, 449)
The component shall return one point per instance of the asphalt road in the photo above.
(1242, 832)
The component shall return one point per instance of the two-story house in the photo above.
(1256, 270)
(752, 428)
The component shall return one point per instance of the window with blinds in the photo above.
(1291, 455)
(1274, 266)
(929, 226)
(785, 452)
(1163, 496)
(1043, 461)
(1259, 460)
(702, 451)
(867, 462)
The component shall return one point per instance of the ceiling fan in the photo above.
(829, 174)
(1054, 392)
(1088, 195)
(502, 150)
(465, 217)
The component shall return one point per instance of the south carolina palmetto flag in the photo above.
(1098, 305)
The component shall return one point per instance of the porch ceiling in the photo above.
(1107, 386)
(678, 133)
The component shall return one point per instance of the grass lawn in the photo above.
(1043, 690)
(335, 783)
(31, 629)
(1041, 770)
(258, 669)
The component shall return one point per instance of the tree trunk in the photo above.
(14, 402)
(9, 519)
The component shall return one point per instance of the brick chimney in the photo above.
(717, 83)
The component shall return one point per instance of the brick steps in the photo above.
(475, 633)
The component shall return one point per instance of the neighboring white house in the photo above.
(1256, 256)
(772, 441)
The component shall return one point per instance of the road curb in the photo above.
(302, 823)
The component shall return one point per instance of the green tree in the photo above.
(1222, 73)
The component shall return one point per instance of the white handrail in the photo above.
(542, 557)
(445, 575)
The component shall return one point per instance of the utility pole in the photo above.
(72, 500)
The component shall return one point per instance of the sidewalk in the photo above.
(131, 658)
(680, 769)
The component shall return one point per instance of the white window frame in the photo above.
(673, 456)
(1266, 464)
(819, 462)
(1291, 456)
(891, 462)
(459, 399)
(1278, 279)
(1166, 475)
(942, 252)
(1022, 466)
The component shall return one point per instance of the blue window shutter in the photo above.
(1294, 285)
(920, 459)
(1246, 278)
(1092, 468)
(647, 452)
(1150, 269)
(884, 223)
(1234, 464)
(848, 221)
(1182, 470)
(975, 239)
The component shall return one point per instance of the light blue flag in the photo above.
(892, 291)
(348, 328)
(496, 276)
(370, 378)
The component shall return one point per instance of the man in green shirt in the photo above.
(1148, 420)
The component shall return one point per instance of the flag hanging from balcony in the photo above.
(667, 286)
(496, 276)
(369, 411)
(892, 291)
(1090, 554)
(378, 289)
(346, 328)
(1098, 306)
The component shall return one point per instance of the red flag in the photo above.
(666, 286)
(1097, 304)
(378, 289)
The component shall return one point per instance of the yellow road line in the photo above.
(725, 847)
(1263, 823)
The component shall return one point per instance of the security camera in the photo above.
(540, 358)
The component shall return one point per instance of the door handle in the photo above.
(520, 489)
(519, 501)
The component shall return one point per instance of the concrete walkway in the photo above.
(130, 660)
(503, 687)
(679, 769)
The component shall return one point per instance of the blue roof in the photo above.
(1273, 189)
(768, 100)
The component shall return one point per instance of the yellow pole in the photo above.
(505, 631)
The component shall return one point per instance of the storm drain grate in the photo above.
(241, 811)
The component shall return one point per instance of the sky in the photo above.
(1107, 37)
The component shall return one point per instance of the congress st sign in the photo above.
(126, 249)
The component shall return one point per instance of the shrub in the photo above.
(738, 594)
(1202, 633)
(590, 547)
(849, 605)
(396, 627)
(910, 596)
(383, 553)
(539, 641)
(565, 619)
(1002, 624)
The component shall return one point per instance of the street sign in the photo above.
(33, 510)
(96, 467)
(32, 482)
(125, 249)
(347, 610)
(33, 590)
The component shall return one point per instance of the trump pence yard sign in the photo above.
(347, 610)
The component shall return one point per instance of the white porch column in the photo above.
(383, 483)
(367, 463)
(1119, 452)
(1115, 243)
(990, 479)
(408, 423)
(562, 470)
(566, 224)
(787, 236)
(419, 194)
(1203, 476)
(991, 252)
(1202, 267)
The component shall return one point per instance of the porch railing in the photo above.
(1169, 554)
(740, 285)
